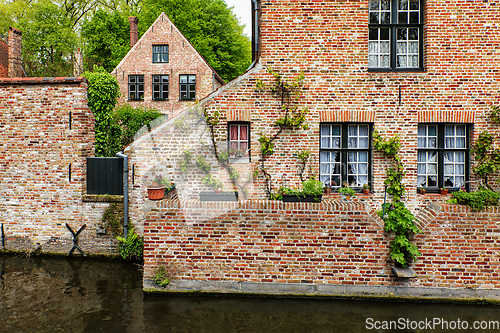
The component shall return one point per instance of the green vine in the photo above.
(303, 157)
(396, 216)
(292, 117)
(487, 157)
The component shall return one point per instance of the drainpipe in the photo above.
(255, 42)
(125, 192)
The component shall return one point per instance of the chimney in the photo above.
(15, 53)
(133, 30)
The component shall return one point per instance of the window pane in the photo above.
(402, 17)
(384, 61)
(373, 34)
(414, 17)
(401, 61)
(385, 18)
(374, 17)
(374, 4)
(414, 4)
(402, 34)
(413, 33)
(403, 4)
(385, 34)
(385, 5)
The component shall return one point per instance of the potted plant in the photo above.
(328, 189)
(366, 189)
(311, 191)
(346, 193)
(158, 185)
(444, 191)
(422, 190)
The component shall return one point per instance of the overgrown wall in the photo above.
(47, 134)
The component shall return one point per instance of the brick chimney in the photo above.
(15, 53)
(134, 36)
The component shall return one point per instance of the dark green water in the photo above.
(86, 295)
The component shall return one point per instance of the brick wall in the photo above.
(47, 133)
(332, 243)
(183, 59)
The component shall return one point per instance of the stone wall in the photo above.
(47, 134)
(328, 248)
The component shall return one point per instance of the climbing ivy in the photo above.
(103, 92)
(396, 216)
(291, 117)
(487, 157)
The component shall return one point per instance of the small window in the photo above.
(239, 139)
(160, 53)
(160, 87)
(136, 87)
(395, 35)
(345, 154)
(443, 155)
(187, 87)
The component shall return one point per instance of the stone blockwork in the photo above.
(47, 134)
(183, 59)
(211, 246)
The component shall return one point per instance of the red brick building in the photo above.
(163, 70)
(427, 71)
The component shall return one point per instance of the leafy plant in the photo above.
(103, 92)
(479, 199)
(401, 221)
(396, 216)
(347, 192)
(132, 247)
(160, 276)
(366, 187)
(486, 156)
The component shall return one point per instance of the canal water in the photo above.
(45, 294)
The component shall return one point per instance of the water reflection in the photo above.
(61, 295)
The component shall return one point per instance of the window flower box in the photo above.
(301, 198)
(215, 196)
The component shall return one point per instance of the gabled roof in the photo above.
(163, 19)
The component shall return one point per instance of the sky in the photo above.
(242, 9)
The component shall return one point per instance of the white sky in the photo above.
(242, 9)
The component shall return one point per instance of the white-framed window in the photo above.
(395, 39)
(239, 142)
(345, 154)
(443, 156)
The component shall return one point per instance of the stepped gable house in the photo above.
(163, 70)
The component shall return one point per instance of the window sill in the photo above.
(239, 160)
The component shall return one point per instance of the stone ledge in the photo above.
(102, 198)
(325, 290)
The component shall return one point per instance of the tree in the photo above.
(107, 39)
(210, 26)
(48, 37)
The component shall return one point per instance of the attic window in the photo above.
(160, 53)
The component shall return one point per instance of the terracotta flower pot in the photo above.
(444, 191)
(366, 191)
(156, 193)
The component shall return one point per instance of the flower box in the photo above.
(222, 196)
(301, 198)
